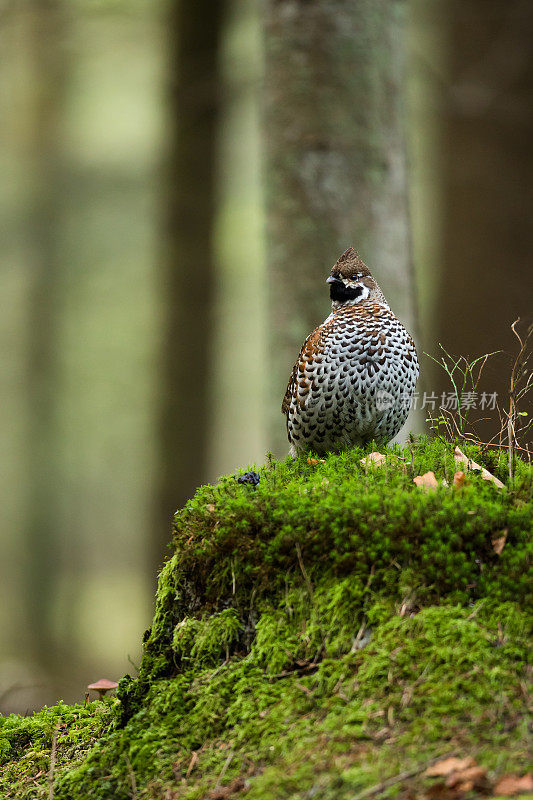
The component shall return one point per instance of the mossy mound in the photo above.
(319, 634)
(26, 745)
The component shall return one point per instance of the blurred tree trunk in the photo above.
(335, 163)
(45, 82)
(487, 280)
(188, 265)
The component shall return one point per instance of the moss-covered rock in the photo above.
(314, 636)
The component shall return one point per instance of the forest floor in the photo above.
(337, 631)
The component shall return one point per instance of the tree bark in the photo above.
(487, 280)
(188, 260)
(45, 84)
(335, 163)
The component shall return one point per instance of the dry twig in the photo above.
(192, 763)
(132, 779)
(53, 761)
(517, 390)
(401, 776)
(224, 769)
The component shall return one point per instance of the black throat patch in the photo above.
(339, 293)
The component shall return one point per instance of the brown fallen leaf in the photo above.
(427, 481)
(466, 779)
(449, 765)
(315, 460)
(498, 543)
(460, 458)
(406, 607)
(374, 459)
(458, 480)
(510, 785)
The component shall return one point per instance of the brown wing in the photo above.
(309, 348)
(291, 386)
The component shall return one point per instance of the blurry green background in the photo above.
(87, 135)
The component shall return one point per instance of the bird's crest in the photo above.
(350, 263)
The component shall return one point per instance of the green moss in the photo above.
(447, 677)
(336, 626)
(26, 745)
(206, 641)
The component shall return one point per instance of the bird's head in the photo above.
(350, 282)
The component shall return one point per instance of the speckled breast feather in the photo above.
(353, 381)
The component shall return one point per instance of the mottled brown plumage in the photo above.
(356, 373)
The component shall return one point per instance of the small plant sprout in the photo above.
(102, 687)
(515, 423)
(465, 381)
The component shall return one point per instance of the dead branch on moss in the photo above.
(307, 580)
(310, 591)
(224, 769)
(53, 761)
(192, 763)
(132, 778)
(300, 668)
(401, 776)
(470, 464)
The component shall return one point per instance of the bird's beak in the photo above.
(332, 279)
